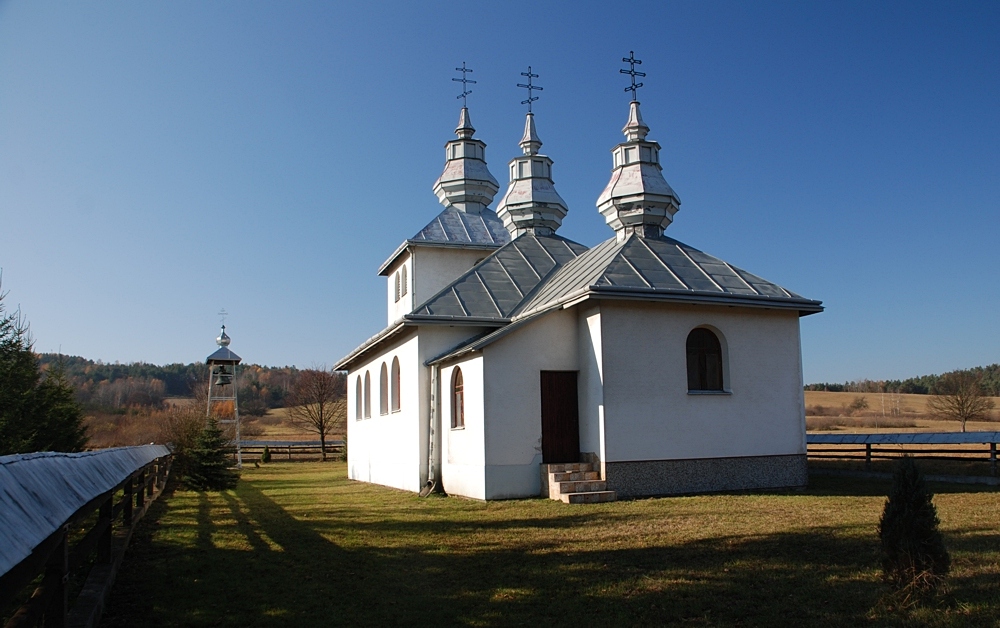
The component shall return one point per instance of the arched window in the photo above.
(704, 361)
(368, 395)
(402, 281)
(457, 399)
(383, 390)
(396, 280)
(394, 396)
(357, 400)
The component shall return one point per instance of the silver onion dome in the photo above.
(223, 340)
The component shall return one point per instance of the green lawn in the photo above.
(296, 544)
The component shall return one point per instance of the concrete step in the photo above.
(573, 476)
(594, 497)
(569, 467)
(585, 486)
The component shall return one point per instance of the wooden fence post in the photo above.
(150, 480)
(868, 456)
(106, 518)
(140, 493)
(57, 576)
(993, 459)
(127, 500)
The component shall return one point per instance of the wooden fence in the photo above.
(119, 488)
(950, 446)
(281, 450)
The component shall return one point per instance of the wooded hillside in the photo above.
(922, 385)
(118, 386)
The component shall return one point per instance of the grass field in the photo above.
(296, 544)
(831, 411)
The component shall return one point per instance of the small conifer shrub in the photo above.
(914, 558)
(265, 456)
(210, 467)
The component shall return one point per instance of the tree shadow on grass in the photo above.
(292, 574)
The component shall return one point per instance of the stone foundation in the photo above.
(705, 475)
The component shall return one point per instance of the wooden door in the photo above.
(560, 417)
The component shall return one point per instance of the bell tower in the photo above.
(222, 388)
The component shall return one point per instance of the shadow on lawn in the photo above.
(294, 572)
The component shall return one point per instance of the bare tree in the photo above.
(960, 398)
(318, 402)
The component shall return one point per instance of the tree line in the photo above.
(118, 387)
(988, 378)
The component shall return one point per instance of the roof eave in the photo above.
(473, 321)
(383, 270)
(389, 332)
(803, 306)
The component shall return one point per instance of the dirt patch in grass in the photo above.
(299, 545)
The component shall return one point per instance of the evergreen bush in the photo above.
(209, 466)
(914, 558)
(265, 456)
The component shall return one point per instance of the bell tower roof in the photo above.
(223, 355)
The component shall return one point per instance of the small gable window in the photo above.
(394, 391)
(457, 399)
(402, 281)
(704, 361)
(368, 395)
(396, 289)
(383, 390)
(357, 400)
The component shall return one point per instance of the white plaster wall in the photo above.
(463, 454)
(648, 413)
(513, 409)
(393, 449)
(591, 382)
(396, 309)
(433, 268)
(385, 449)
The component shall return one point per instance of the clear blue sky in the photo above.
(162, 160)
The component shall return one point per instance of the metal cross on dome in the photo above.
(631, 71)
(464, 81)
(530, 88)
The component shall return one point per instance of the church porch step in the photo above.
(586, 486)
(574, 476)
(593, 497)
(569, 467)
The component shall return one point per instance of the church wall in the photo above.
(436, 267)
(396, 309)
(649, 414)
(463, 455)
(591, 382)
(513, 400)
(385, 449)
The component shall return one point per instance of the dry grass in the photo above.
(828, 411)
(299, 545)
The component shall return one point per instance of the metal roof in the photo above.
(39, 492)
(458, 227)
(454, 227)
(534, 274)
(223, 354)
(909, 438)
(496, 286)
(661, 268)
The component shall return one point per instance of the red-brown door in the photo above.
(560, 417)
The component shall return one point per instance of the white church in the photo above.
(517, 363)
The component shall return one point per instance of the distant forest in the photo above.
(118, 387)
(923, 385)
